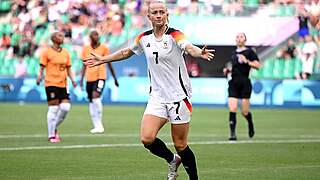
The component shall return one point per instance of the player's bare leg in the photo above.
(233, 107)
(245, 104)
(150, 126)
(180, 139)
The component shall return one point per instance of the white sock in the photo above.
(51, 119)
(97, 118)
(92, 111)
(62, 112)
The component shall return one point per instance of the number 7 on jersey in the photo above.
(156, 53)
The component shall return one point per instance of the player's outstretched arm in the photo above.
(96, 60)
(197, 52)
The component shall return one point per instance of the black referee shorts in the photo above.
(240, 88)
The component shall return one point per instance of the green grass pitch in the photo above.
(286, 145)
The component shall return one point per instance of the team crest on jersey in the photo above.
(165, 45)
(148, 45)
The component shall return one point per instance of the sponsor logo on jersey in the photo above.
(177, 118)
(148, 45)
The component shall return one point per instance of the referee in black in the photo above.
(242, 60)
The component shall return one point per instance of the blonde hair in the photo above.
(161, 2)
(156, 1)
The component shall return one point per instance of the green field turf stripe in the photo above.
(138, 145)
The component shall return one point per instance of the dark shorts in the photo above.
(303, 32)
(240, 88)
(97, 86)
(306, 74)
(54, 93)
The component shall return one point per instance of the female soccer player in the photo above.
(57, 63)
(242, 59)
(170, 87)
(96, 77)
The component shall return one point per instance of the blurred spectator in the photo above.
(290, 50)
(303, 17)
(233, 8)
(309, 51)
(20, 68)
(5, 41)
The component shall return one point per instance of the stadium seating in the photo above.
(5, 5)
(273, 68)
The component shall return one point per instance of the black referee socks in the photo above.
(250, 124)
(232, 124)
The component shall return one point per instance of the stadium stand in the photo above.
(28, 25)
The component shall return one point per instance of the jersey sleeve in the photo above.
(136, 46)
(44, 57)
(180, 39)
(253, 56)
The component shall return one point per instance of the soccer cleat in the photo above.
(56, 135)
(173, 167)
(53, 140)
(233, 136)
(97, 130)
(251, 129)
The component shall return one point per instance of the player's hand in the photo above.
(242, 58)
(207, 53)
(39, 78)
(94, 60)
(116, 83)
(74, 84)
(225, 71)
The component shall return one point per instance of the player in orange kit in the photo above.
(95, 77)
(57, 63)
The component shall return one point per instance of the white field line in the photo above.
(252, 169)
(85, 146)
(136, 135)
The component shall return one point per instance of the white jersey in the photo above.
(169, 80)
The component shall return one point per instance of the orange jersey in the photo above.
(56, 64)
(97, 72)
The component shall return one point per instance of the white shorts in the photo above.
(176, 113)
